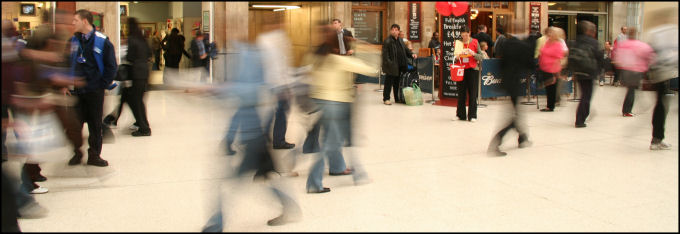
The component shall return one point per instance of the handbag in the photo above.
(457, 70)
(39, 136)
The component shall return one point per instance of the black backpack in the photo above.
(581, 58)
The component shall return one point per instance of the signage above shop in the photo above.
(414, 19)
(535, 17)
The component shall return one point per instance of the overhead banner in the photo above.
(414, 18)
(426, 74)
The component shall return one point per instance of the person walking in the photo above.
(275, 45)
(138, 55)
(633, 58)
(516, 64)
(92, 57)
(468, 52)
(664, 42)
(585, 61)
(395, 56)
(333, 90)
(498, 45)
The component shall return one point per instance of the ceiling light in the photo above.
(282, 9)
(552, 3)
(276, 6)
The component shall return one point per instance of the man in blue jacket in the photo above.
(92, 57)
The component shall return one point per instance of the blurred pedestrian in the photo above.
(467, 52)
(585, 61)
(664, 41)
(333, 90)
(247, 87)
(516, 64)
(138, 55)
(276, 46)
(633, 58)
(395, 61)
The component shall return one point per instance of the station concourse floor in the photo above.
(428, 173)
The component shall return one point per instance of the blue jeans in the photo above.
(257, 158)
(334, 120)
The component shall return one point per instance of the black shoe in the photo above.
(324, 190)
(230, 151)
(141, 133)
(496, 152)
(97, 162)
(39, 178)
(580, 125)
(546, 110)
(75, 160)
(345, 172)
(285, 145)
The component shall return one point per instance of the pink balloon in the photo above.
(444, 8)
(459, 8)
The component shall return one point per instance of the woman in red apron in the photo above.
(468, 51)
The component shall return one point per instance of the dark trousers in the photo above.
(281, 121)
(468, 88)
(69, 120)
(90, 108)
(136, 102)
(172, 60)
(550, 90)
(391, 85)
(33, 171)
(514, 123)
(583, 110)
(660, 112)
(629, 100)
(156, 60)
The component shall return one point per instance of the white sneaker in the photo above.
(387, 102)
(39, 190)
(601, 83)
(134, 127)
(660, 146)
(473, 120)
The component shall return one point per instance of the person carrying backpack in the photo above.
(585, 60)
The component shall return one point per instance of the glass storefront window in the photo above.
(578, 6)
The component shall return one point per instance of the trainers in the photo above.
(387, 102)
(40, 190)
(133, 127)
(601, 83)
(660, 146)
(627, 114)
(473, 120)
(496, 152)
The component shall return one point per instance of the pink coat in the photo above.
(551, 54)
(633, 55)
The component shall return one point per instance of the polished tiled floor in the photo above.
(429, 173)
